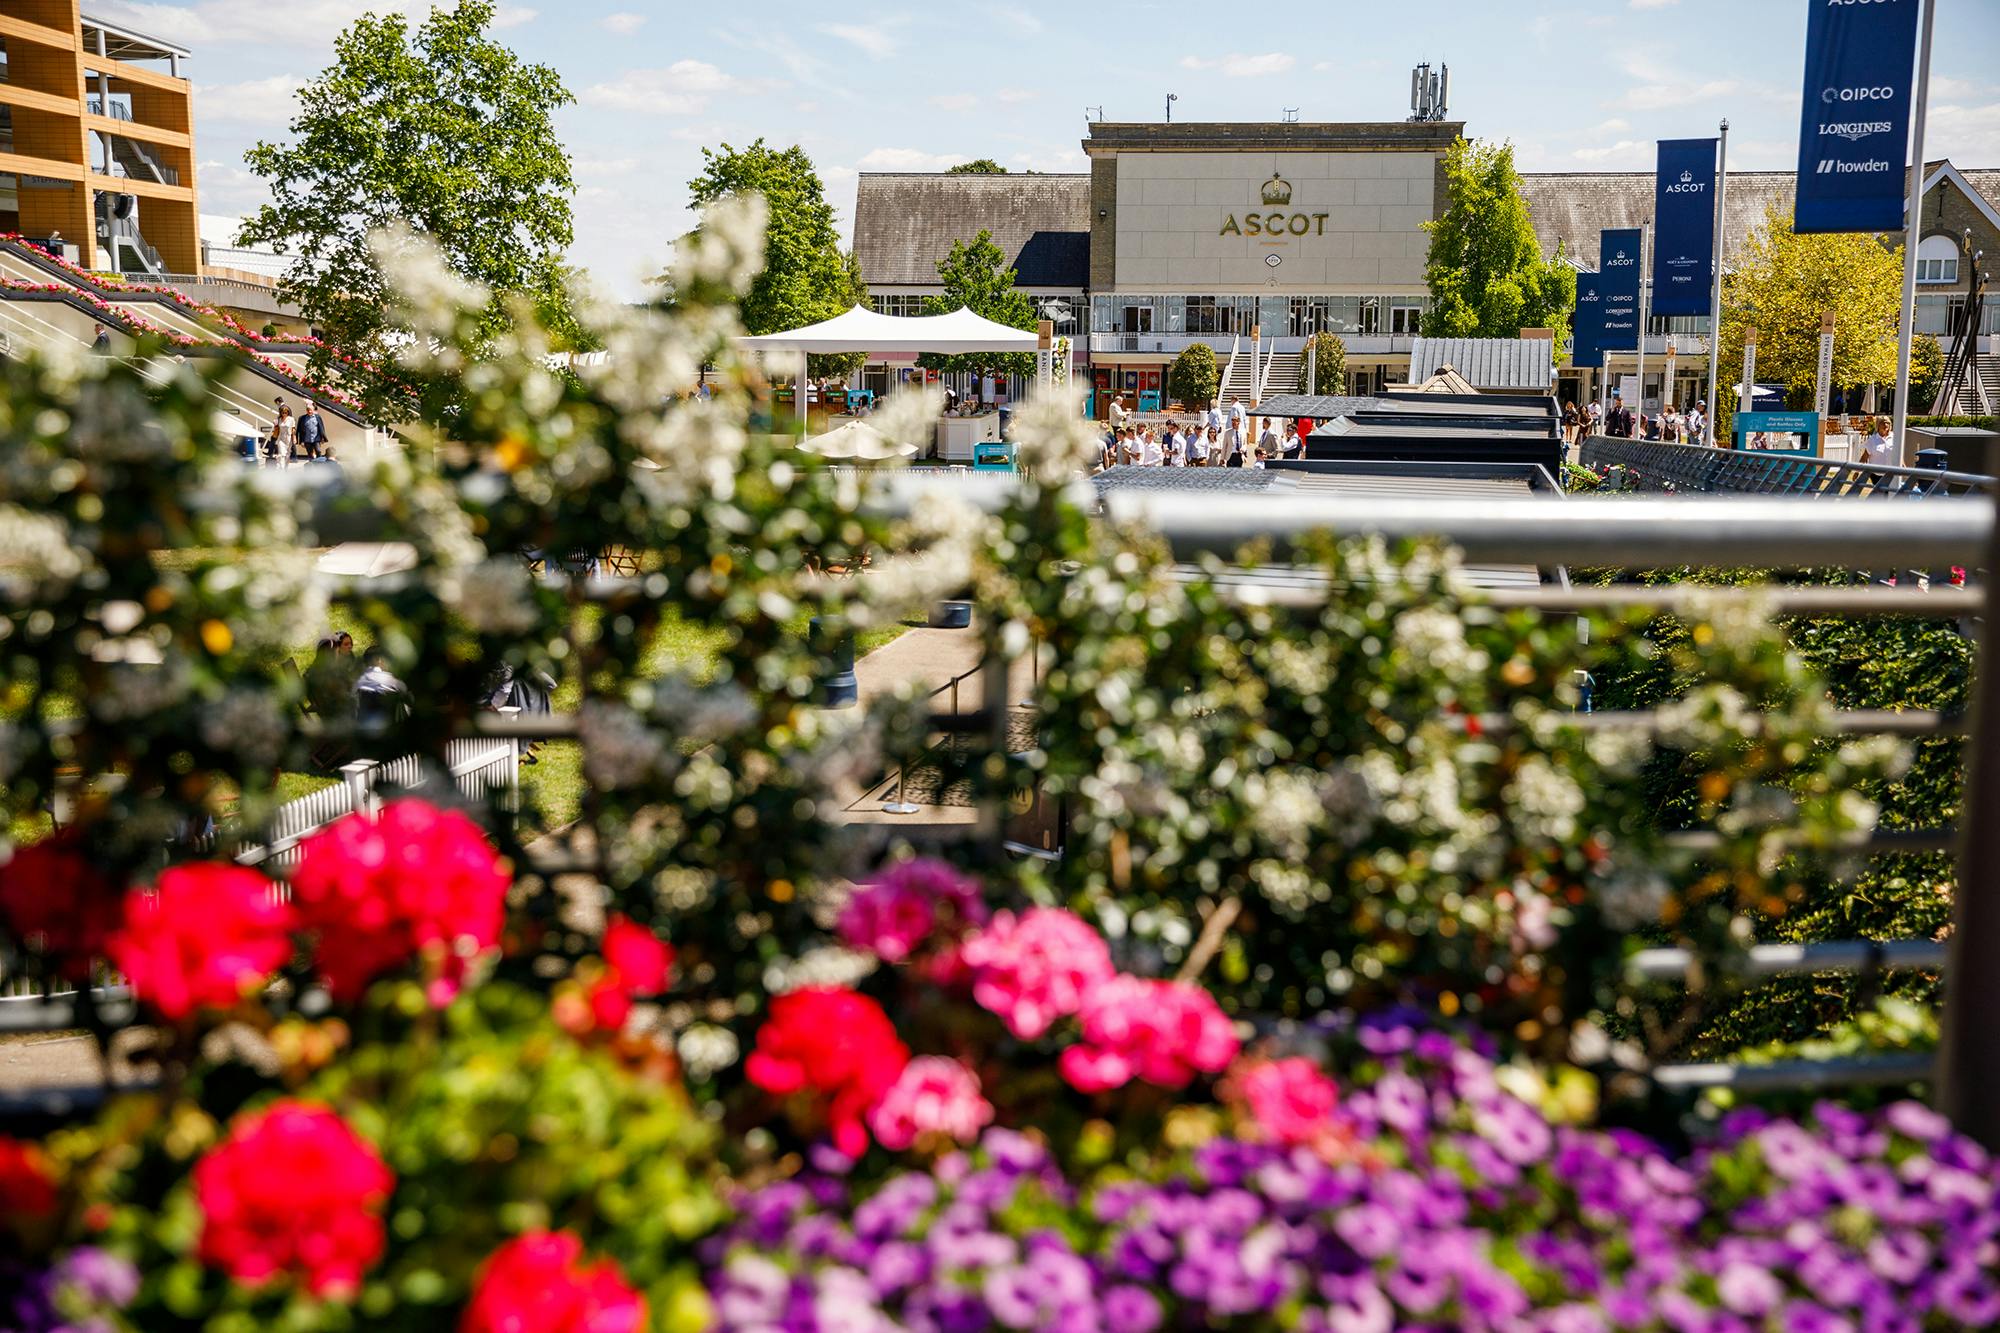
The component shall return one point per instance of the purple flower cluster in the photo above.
(1449, 1204)
(77, 1294)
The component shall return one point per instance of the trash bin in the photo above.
(951, 615)
(832, 643)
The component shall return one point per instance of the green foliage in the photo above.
(1327, 355)
(1783, 283)
(438, 131)
(854, 292)
(977, 278)
(1485, 268)
(806, 277)
(983, 166)
(1926, 370)
(1194, 376)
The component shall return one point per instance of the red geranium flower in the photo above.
(836, 1045)
(538, 1283)
(27, 1186)
(381, 892)
(636, 956)
(57, 904)
(203, 937)
(293, 1192)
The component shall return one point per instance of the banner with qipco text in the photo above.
(1587, 327)
(1618, 288)
(1684, 226)
(1854, 129)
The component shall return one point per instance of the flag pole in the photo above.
(1715, 290)
(1913, 209)
(1645, 315)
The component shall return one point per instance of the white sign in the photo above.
(1823, 382)
(1749, 371)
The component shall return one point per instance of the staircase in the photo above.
(1239, 377)
(1281, 374)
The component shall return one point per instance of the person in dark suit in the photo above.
(100, 340)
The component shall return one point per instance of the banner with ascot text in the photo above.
(1587, 328)
(1618, 288)
(1684, 226)
(1854, 128)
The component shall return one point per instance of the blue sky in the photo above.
(906, 86)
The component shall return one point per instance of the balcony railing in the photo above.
(1172, 344)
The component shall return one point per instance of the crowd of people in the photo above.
(1215, 437)
(1673, 426)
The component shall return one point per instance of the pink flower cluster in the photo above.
(906, 904)
(834, 1047)
(1290, 1101)
(205, 936)
(539, 1283)
(416, 882)
(1035, 968)
(293, 1191)
(1161, 1032)
(934, 1097)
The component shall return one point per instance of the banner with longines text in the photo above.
(1684, 226)
(1854, 128)
(1587, 327)
(1618, 288)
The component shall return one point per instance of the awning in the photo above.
(857, 441)
(864, 330)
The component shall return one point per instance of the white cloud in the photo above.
(311, 23)
(1630, 149)
(513, 16)
(1015, 96)
(908, 159)
(1969, 135)
(1063, 159)
(1236, 65)
(1661, 96)
(955, 102)
(624, 23)
(1615, 124)
(604, 166)
(266, 103)
(1015, 17)
(1653, 4)
(682, 88)
(872, 40)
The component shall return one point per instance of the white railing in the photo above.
(1168, 343)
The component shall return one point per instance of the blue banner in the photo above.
(1618, 288)
(1684, 227)
(1587, 326)
(1854, 127)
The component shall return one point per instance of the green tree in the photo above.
(977, 278)
(1485, 269)
(806, 276)
(1327, 355)
(1194, 376)
(1783, 283)
(1926, 370)
(441, 131)
(983, 166)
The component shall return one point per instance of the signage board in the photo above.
(1618, 288)
(1684, 226)
(1587, 328)
(1778, 432)
(1854, 121)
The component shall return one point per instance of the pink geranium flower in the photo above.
(1160, 1032)
(1035, 968)
(933, 1097)
(1290, 1101)
(895, 913)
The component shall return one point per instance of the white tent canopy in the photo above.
(857, 441)
(864, 330)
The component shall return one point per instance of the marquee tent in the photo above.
(864, 330)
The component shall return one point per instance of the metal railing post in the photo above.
(1969, 1073)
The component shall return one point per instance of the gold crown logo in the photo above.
(1277, 190)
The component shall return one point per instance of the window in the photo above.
(1933, 314)
(1405, 316)
(899, 304)
(1207, 315)
(1937, 260)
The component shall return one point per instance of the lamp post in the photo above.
(1171, 99)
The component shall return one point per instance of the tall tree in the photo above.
(1194, 376)
(1327, 355)
(854, 292)
(1783, 283)
(981, 166)
(806, 277)
(1485, 269)
(440, 130)
(976, 277)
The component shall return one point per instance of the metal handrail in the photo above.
(1696, 468)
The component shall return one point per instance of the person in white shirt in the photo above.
(1150, 455)
(1880, 446)
(1212, 418)
(1596, 416)
(1198, 446)
(1697, 424)
(1238, 418)
(1119, 415)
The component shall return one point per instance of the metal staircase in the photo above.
(1963, 383)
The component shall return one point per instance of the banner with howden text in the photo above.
(1618, 288)
(1684, 226)
(1854, 127)
(1587, 328)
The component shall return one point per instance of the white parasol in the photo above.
(857, 441)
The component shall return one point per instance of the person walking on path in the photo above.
(312, 433)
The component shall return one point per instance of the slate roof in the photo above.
(1486, 363)
(905, 222)
(1574, 207)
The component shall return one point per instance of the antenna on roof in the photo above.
(1430, 94)
(1087, 113)
(1171, 99)
(1291, 115)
